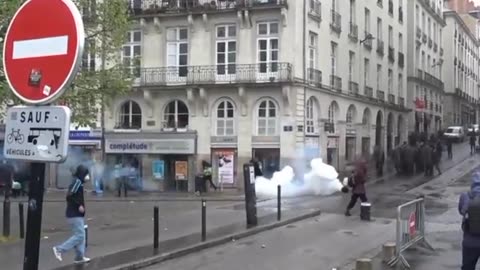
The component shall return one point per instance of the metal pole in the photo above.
(21, 220)
(279, 202)
(204, 220)
(155, 227)
(6, 215)
(34, 219)
(85, 227)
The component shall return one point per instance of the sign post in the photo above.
(42, 53)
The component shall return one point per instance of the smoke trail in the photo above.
(322, 179)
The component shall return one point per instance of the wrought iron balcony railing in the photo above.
(401, 101)
(353, 33)
(367, 43)
(419, 33)
(314, 77)
(430, 43)
(149, 7)
(368, 91)
(194, 75)
(380, 47)
(316, 9)
(336, 83)
(391, 54)
(401, 60)
(336, 23)
(353, 88)
(424, 38)
(380, 95)
(433, 80)
(391, 99)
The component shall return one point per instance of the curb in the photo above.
(216, 242)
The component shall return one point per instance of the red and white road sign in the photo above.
(412, 222)
(43, 49)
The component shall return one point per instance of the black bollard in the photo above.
(21, 220)
(125, 187)
(365, 211)
(6, 217)
(155, 227)
(85, 227)
(279, 202)
(204, 220)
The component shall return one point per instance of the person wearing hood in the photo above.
(75, 214)
(357, 183)
(469, 208)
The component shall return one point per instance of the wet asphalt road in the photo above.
(334, 240)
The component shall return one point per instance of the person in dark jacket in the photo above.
(357, 183)
(473, 142)
(75, 214)
(449, 148)
(471, 243)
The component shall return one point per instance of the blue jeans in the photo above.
(77, 240)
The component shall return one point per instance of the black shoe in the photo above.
(347, 213)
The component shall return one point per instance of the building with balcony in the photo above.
(461, 69)
(228, 81)
(425, 64)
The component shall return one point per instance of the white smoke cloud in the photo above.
(322, 179)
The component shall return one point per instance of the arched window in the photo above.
(311, 116)
(267, 118)
(351, 114)
(176, 115)
(130, 115)
(366, 117)
(225, 121)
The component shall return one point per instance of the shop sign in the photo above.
(226, 170)
(181, 170)
(84, 135)
(165, 146)
(158, 169)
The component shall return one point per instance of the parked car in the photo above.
(455, 133)
(473, 128)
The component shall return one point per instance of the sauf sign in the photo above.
(42, 51)
(37, 133)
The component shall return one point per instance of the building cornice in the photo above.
(459, 19)
(432, 13)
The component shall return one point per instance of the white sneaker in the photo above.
(57, 254)
(82, 261)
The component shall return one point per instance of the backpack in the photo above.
(472, 222)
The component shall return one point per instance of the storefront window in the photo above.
(176, 115)
(131, 115)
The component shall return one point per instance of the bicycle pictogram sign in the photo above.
(15, 136)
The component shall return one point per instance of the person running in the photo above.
(75, 214)
(357, 183)
(207, 174)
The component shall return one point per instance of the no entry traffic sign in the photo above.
(43, 48)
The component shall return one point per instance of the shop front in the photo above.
(266, 150)
(160, 161)
(312, 148)
(85, 146)
(224, 161)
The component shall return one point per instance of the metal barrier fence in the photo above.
(410, 230)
